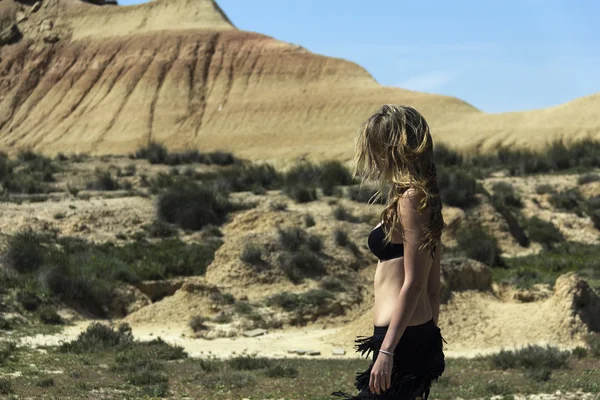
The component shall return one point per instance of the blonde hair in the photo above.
(394, 146)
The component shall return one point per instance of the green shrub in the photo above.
(155, 153)
(342, 239)
(197, 323)
(545, 189)
(332, 174)
(302, 173)
(505, 195)
(165, 259)
(592, 209)
(146, 378)
(531, 357)
(222, 318)
(342, 214)
(546, 266)
(103, 180)
(593, 341)
(74, 270)
(45, 382)
(5, 324)
(579, 352)
(72, 284)
(314, 243)
(291, 238)
(222, 298)
(282, 371)
(309, 220)
(26, 183)
(540, 374)
(6, 386)
(332, 283)
(258, 190)
(569, 200)
(130, 170)
(477, 243)
(252, 254)
(160, 229)
(458, 188)
(29, 299)
(157, 390)
(192, 206)
(98, 337)
(278, 205)
(243, 307)
(26, 250)
(294, 301)
(6, 167)
(588, 178)
(300, 194)
(220, 158)
(227, 380)
(366, 195)
(212, 230)
(186, 157)
(7, 350)
(300, 264)
(249, 362)
(444, 156)
(256, 178)
(49, 316)
(153, 350)
(543, 232)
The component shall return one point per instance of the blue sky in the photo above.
(497, 55)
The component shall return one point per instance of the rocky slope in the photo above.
(77, 77)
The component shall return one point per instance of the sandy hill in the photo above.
(77, 77)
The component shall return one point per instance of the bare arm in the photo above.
(433, 284)
(415, 274)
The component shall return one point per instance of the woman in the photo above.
(394, 147)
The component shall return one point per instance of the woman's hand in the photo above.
(381, 373)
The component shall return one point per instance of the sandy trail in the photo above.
(273, 344)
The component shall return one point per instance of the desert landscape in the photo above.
(176, 224)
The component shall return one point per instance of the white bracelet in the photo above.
(386, 352)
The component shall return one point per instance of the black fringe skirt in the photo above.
(418, 361)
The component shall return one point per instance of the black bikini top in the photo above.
(381, 249)
(386, 251)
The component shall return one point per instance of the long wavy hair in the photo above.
(394, 148)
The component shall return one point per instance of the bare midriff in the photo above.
(388, 281)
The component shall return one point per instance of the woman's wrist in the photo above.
(389, 353)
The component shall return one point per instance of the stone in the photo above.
(46, 25)
(21, 16)
(460, 273)
(36, 6)
(338, 351)
(255, 332)
(313, 353)
(10, 35)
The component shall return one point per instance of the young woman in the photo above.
(394, 147)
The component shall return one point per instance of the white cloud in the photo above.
(428, 81)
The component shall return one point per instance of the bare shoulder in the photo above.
(410, 200)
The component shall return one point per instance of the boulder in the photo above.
(461, 273)
(9, 31)
(574, 298)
